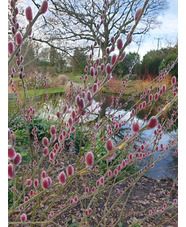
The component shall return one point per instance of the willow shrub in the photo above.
(54, 169)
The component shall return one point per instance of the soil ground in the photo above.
(147, 194)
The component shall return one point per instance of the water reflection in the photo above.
(167, 164)
(166, 167)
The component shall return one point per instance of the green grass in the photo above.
(75, 79)
(50, 90)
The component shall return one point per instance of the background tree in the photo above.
(171, 56)
(123, 68)
(78, 61)
(155, 60)
(53, 53)
(56, 60)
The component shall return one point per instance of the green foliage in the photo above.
(43, 129)
(10, 194)
(24, 154)
(69, 222)
(77, 138)
(78, 61)
(123, 68)
(21, 136)
(56, 60)
(53, 54)
(135, 224)
(44, 63)
(168, 59)
(22, 144)
(155, 60)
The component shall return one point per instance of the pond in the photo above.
(166, 167)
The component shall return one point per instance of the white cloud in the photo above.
(169, 25)
(167, 32)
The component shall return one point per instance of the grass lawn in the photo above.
(50, 90)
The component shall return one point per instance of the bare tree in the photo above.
(71, 20)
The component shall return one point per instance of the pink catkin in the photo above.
(89, 96)
(113, 59)
(101, 180)
(45, 142)
(119, 44)
(93, 189)
(45, 183)
(152, 122)
(44, 7)
(62, 178)
(18, 38)
(70, 170)
(137, 14)
(92, 71)
(28, 182)
(45, 151)
(122, 57)
(94, 88)
(36, 183)
(70, 122)
(89, 210)
(173, 80)
(156, 96)
(115, 172)
(31, 193)
(112, 39)
(43, 174)
(23, 217)
(17, 159)
(49, 181)
(89, 160)
(51, 155)
(108, 69)
(135, 127)
(26, 198)
(52, 130)
(11, 153)
(10, 171)
(76, 199)
(102, 67)
(109, 145)
(10, 47)
(109, 173)
(28, 13)
(87, 190)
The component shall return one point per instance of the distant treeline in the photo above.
(52, 61)
(151, 64)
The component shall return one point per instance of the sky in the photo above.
(167, 32)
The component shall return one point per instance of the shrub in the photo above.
(62, 79)
(70, 88)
